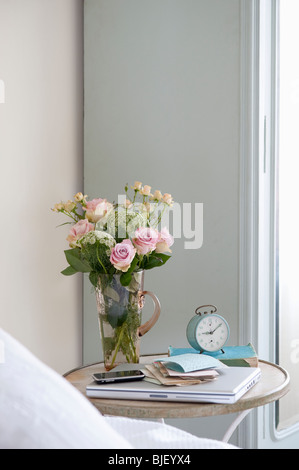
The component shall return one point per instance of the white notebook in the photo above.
(231, 384)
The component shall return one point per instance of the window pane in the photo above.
(288, 206)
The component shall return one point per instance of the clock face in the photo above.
(212, 333)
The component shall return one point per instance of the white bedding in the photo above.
(154, 435)
(39, 409)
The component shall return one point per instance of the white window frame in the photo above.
(257, 187)
(249, 177)
(258, 184)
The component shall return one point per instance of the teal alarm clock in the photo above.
(207, 331)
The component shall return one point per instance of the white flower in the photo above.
(125, 222)
(104, 237)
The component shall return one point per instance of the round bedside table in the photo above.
(273, 385)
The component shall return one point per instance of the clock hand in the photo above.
(216, 328)
(212, 332)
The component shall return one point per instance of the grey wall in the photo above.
(162, 82)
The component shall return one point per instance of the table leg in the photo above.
(234, 425)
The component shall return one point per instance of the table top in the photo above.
(274, 384)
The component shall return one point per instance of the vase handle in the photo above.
(149, 324)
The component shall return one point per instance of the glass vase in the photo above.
(120, 310)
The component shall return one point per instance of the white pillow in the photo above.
(40, 410)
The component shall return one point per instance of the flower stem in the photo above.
(69, 215)
(134, 355)
(160, 216)
(105, 270)
(118, 345)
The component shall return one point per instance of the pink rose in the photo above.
(77, 231)
(145, 240)
(122, 255)
(165, 241)
(97, 209)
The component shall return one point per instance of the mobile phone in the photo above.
(119, 376)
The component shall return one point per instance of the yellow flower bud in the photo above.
(167, 198)
(58, 207)
(78, 197)
(69, 206)
(146, 191)
(157, 195)
(137, 186)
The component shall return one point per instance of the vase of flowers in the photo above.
(119, 310)
(115, 244)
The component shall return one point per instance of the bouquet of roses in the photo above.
(117, 238)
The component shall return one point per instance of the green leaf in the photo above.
(133, 264)
(164, 257)
(93, 277)
(74, 259)
(125, 279)
(156, 260)
(112, 293)
(69, 271)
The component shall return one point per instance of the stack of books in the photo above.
(233, 356)
(183, 370)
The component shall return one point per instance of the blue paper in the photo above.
(191, 362)
(230, 352)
